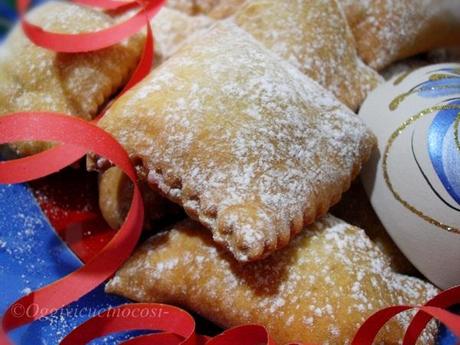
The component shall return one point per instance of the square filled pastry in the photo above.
(317, 290)
(315, 37)
(243, 141)
(390, 30)
(37, 79)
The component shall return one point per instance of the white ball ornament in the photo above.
(413, 178)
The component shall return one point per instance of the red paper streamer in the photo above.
(78, 137)
(104, 4)
(443, 300)
(370, 328)
(91, 41)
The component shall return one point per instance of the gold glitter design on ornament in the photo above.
(453, 73)
(395, 103)
(386, 175)
(440, 76)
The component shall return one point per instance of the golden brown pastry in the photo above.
(317, 290)
(242, 140)
(356, 209)
(314, 36)
(390, 30)
(206, 6)
(171, 28)
(115, 194)
(33, 78)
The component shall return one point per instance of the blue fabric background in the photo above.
(31, 256)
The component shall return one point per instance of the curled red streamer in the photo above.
(79, 137)
(91, 41)
(86, 42)
(443, 300)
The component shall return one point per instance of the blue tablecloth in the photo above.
(31, 256)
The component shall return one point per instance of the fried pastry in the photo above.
(37, 79)
(356, 209)
(171, 28)
(314, 36)
(115, 194)
(242, 140)
(390, 30)
(317, 290)
(206, 6)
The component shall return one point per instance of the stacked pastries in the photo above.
(315, 38)
(390, 30)
(33, 78)
(237, 128)
(258, 149)
(317, 290)
(80, 84)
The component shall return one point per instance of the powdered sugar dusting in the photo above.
(245, 142)
(314, 37)
(389, 30)
(35, 78)
(319, 288)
